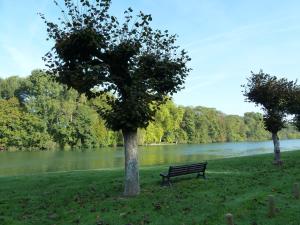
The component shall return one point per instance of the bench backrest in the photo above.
(187, 169)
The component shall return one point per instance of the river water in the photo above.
(18, 163)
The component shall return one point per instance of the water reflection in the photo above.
(16, 163)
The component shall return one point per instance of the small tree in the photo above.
(94, 53)
(273, 95)
(294, 106)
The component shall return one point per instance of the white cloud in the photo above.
(266, 27)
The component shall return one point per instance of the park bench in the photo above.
(175, 171)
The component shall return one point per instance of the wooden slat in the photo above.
(186, 169)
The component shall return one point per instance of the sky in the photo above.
(225, 39)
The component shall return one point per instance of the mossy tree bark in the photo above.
(132, 184)
(277, 159)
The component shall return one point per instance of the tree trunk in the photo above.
(276, 149)
(132, 184)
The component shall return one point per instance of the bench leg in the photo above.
(166, 180)
(201, 175)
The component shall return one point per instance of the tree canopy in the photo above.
(294, 106)
(273, 95)
(137, 65)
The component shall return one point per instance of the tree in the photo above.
(9, 87)
(294, 106)
(235, 128)
(168, 119)
(255, 129)
(94, 53)
(21, 129)
(273, 95)
(188, 124)
(69, 119)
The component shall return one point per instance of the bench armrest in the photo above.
(163, 174)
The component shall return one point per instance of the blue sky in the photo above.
(225, 39)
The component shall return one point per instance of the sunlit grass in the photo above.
(240, 186)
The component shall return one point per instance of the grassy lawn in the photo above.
(237, 185)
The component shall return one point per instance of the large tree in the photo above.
(138, 66)
(273, 95)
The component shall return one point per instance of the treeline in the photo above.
(38, 113)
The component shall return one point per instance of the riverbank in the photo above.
(237, 185)
(68, 148)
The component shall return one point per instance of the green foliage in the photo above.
(294, 106)
(235, 127)
(255, 127)
(203, 125)
(70, 119)
(10, 87)
(94, 53)
(273, 95)
(290, 132)
(188, 124)
(21, 129)
(297, 121)
(53, 116)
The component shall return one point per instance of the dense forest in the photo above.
(38, 113)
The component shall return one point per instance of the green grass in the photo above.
(237, 185)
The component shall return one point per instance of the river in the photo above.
(19, 163)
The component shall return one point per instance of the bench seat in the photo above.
(175, 171)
